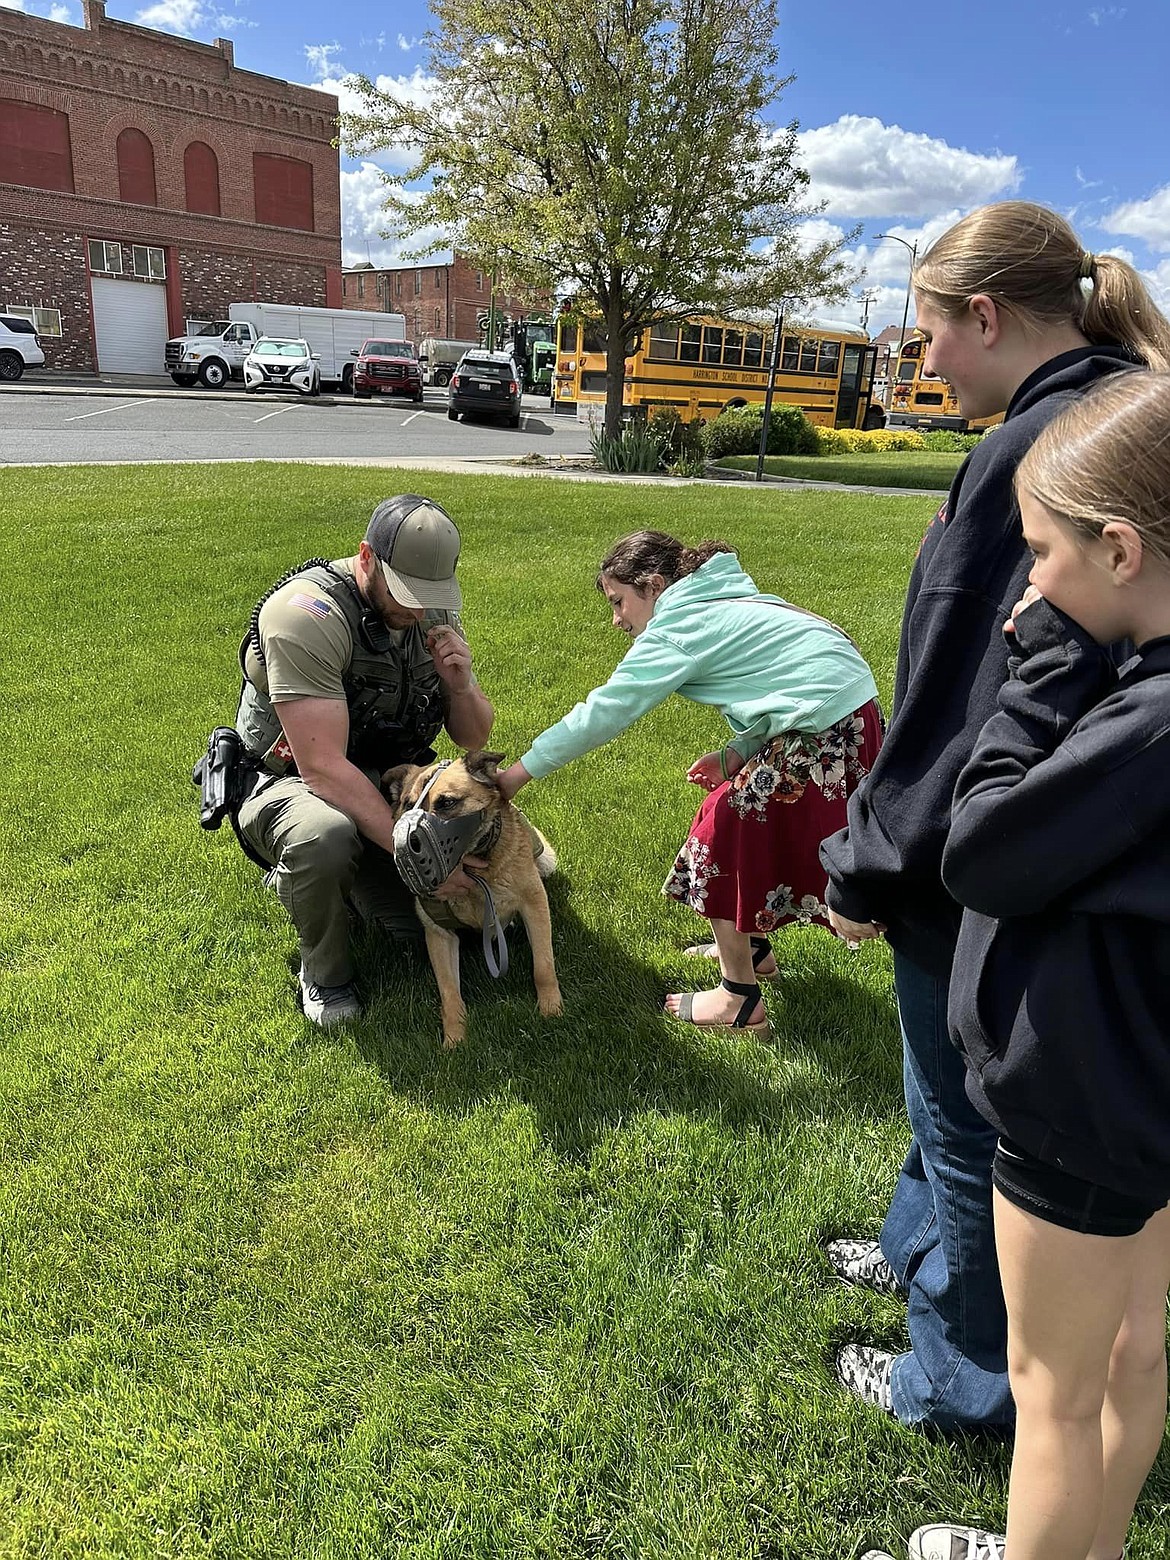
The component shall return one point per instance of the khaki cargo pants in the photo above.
(321, 866)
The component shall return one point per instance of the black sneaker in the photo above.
(327, 1005)
(861, 1262)
(866, 1372)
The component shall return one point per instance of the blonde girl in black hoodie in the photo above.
(1021, 319)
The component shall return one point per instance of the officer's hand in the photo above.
(459, 883)
(452, 657)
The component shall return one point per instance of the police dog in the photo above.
(514, 873)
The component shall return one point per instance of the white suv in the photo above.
(20, 347)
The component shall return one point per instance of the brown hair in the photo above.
(1031, 263)
(635, 559)
(1106, 457)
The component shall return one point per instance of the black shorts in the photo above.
(1056, 1197)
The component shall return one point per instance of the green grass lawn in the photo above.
(273, 1294)
(896, 469)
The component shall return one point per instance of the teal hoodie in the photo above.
(768, 666)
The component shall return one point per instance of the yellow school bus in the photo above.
(925, 401)
(703, 366)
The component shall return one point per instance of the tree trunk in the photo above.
(615, 369)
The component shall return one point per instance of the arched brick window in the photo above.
(34, 146)
(201, 178)
(136, 169)
(284, 190)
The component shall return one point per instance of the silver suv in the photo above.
(20, 347)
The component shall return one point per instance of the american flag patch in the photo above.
(312, 604)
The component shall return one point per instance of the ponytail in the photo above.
(636, 559)
(1031, 263)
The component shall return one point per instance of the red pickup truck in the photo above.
(387, 368)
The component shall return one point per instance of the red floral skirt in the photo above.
(752, 854)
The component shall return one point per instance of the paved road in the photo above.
(167, 425)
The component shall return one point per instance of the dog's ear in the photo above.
(395, 781)
(482, 766)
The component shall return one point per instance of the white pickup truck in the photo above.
(217, 352)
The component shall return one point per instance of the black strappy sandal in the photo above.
(762, 951)
(752, 999)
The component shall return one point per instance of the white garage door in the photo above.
(130, 323)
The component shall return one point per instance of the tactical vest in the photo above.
(392, 691)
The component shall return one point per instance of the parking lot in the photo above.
(40, 422)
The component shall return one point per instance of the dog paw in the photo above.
(551, 1006)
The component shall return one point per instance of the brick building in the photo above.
(438, 299)
(145, 181)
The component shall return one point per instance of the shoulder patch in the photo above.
(315, 606)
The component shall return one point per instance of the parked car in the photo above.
(276, 363)
(485, 382)
(387, 368)
(20, 346)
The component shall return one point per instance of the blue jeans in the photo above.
(938, 1235)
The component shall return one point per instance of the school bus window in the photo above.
(753, 349)
(664, 344)
(809, 348)
(905, 373)
(712, 344)
(594, 337)
(733, 348)
(790, 354)
(828, 357)
(688, 349)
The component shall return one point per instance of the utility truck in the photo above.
(216, 353)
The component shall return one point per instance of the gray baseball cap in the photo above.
(417, 545)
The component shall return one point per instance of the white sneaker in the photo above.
(866, 1371)
(327, 1005)
(949, 1541)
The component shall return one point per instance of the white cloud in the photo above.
(177, 16)
(52, 12)
(418, 87)
(363, 190)
(861, 167)
(321, 57)
(406, 44)
(1147, 219)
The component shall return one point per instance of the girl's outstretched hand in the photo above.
(709, 772)
(511, 779)
(1026, 600)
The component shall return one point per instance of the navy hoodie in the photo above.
(1060, 846)
(971, 569)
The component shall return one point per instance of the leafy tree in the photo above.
(618, 150)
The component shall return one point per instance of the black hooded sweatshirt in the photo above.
(971, 569)
(1060, 846)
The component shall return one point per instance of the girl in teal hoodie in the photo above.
(802, 707)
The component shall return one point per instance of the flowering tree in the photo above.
(618, 151)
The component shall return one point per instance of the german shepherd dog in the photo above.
(513, 873)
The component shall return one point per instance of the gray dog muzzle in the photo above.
(427, 849)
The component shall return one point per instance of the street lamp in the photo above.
(913, 248)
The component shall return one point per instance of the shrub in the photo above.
(737, 432)
(950, 442)
(634, 449)
(834, 441)
(679, 440)
(689, 465)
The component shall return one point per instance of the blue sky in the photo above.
(909, 115)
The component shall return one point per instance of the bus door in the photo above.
(857, 363)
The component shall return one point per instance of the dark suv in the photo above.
(485, 382)
(387, 368)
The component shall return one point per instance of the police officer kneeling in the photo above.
(351, 667)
